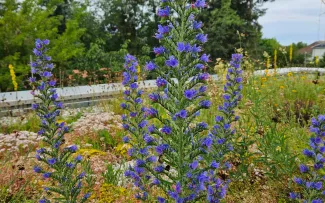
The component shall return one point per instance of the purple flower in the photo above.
(47, 175)
(161, 148)
(151, 128)
(78, 158)
(151, 112)
(81, 175)
(203, 125)
(150, 66)
(205, 104)
(182, 113)
(164, 12)
(51, 161)
(308, 153)
(143, 123)
(163, 29)
(172, 62)
(294, 195)
(159, 168)
(73, 148)
(155, 182)
(199, 66)
(154, 97)
(123, 105)
(134, 85)
(203, 76)
(125, 126)
(52, 83)
(43, 200)
(214, 164)
(159, 50)
(37, 169)
(69, 165)
(200, 4)
(86, 196)
(35, 106)
(161, 82)
(47, 74)
(166, 129)
(205, 58)
(126, 139)
(196, 49)
(138, 100)
(32, 80)
(161, 200)
(148, 139)
(202, 38)
(59, 105)
(181, 46)
(190, 94)
(194, 165)
(46, 42)
(197, 25)
(202, 89)
(303, 168)
(207, 142)
(152, 159)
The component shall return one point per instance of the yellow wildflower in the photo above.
(281, 87)
(111, 193)
(139, 73)
(122, 148)
(278, 149)
(293, 91)
(13, 77)
(290, 74)
(91, 152)
(316, 60)
(291, 50)
(268, 61)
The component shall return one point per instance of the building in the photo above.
(314, 49)
(318, 50)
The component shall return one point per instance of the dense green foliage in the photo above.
(93, 35)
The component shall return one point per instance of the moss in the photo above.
(111, 193)
(122, 149)
(91, 152)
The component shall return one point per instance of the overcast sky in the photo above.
(294, 20)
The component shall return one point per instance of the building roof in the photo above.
(309, 49)
(320, 46)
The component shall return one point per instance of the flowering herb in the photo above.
(312, 179)
(58, 163)
(136, 125)
(181, 158)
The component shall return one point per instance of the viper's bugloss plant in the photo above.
(312, 179)
(135, 123)
(59, 164)
(178, 155)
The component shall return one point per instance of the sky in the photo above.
(294, 20)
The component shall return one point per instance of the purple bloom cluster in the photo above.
(136, 125)
(312, 180)
(55, 156)
(176, 140)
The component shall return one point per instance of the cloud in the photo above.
(293, 20)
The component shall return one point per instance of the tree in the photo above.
(224, 17)
(21, 24)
